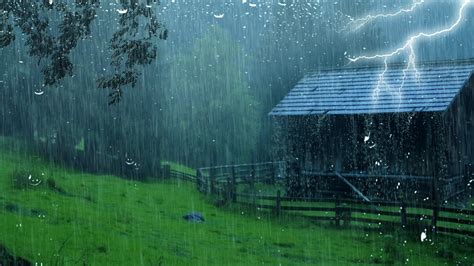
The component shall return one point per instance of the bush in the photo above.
(445, 251)
(24, 179)
(392, 251)
(51, 183)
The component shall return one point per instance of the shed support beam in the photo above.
(352, 187)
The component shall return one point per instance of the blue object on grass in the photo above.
(194, 217)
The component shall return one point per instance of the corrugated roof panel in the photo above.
(359, 91)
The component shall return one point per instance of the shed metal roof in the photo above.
(359, 90)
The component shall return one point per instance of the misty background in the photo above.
(204, 100)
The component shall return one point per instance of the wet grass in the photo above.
(84, 219)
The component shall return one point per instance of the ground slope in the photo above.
(73, 218)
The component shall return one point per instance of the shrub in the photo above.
(392, 251)
(24, 179)
(51, 183)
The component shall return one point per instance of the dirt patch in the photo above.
(285, 245)
(299, 258)
(102, 249)
(11, 207)
(17, 209)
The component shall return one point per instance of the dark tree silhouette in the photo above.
(133, 44)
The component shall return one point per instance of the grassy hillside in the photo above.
(73, 218)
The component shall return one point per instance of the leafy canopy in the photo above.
(134, 44)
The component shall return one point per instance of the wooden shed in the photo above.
(391, 133)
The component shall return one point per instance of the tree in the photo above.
(133, 44)
(211, 110)
(72, 110)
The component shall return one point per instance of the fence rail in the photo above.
(182, 175)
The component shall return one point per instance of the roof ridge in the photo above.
(397, 65)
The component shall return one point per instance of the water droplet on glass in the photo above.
(39, 92)
(366, 138)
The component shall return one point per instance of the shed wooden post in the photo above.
(435, 203)
(337, 210)
(403, 214)
(233, 185)
(287, 177)
(467, 177)
(278, 203)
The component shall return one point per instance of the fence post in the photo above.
(252, 178)
(273, 173)
(252, 184)
(278, 204)
(403, 214)
(233, 185)
(212, 181)
(166, 171)
(434, 219)
(228, 190)
(337, 210)
(199, 180)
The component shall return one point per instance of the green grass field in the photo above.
(74, 218)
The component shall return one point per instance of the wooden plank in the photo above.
(352, 187)
(455, 231)
(409, 177)
(370, 211)
(353, 219)
(261, 206)
(241, 165)
(373, 221)
(455, 220)
(308, 208)
(287, 199)
(457, 211)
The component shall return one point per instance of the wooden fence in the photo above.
(182, 176)
(226, 178)
(226, 181)
(166, 171)
(441, 219)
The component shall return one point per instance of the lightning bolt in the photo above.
(408, 46)
(361, 22)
